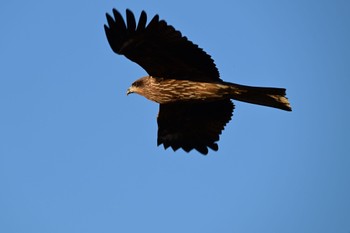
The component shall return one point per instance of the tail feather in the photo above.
(267, 96)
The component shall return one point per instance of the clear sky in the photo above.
(78, 155)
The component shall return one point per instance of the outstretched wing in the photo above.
(159, 48)
(193, 125)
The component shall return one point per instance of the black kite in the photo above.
(194, 102)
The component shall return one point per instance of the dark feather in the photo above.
(193, 125)
(160, 49)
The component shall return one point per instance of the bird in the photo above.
(195, 104)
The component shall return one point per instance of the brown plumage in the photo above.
(194, 102)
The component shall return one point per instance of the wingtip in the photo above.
(115, 11)
(106, 27)
(110, 19)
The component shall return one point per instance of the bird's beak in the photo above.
(129, 91)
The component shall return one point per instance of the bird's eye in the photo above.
(138, 84)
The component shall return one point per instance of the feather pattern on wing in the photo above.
(160, 49)
(193, 125)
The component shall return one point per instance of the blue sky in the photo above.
(77, 155)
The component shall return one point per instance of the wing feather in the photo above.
(142, 22)
(159, 48)
(131, 22)
(193, 125)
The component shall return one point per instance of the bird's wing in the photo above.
(193, 125)
(157, 47)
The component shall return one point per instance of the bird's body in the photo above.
(173, 90)
(165, 91)
(195, 104)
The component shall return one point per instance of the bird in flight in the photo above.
(194, 102)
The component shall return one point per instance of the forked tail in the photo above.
(267, 96)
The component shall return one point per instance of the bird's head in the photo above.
(137, 86)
